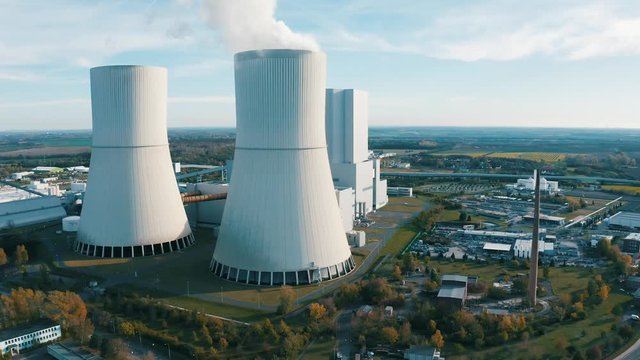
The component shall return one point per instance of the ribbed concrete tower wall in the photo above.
(132, 205)
(281, 222)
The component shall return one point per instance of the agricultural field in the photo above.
(624, 189)
(548, 157)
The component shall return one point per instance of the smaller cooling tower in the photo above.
(281, 223)
(132, 206)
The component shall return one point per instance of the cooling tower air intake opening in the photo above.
(271, 278)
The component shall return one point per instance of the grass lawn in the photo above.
(320, 350)
(487, 273)
(191, 303)
(592, 205)
(404, 204)
(399, 241)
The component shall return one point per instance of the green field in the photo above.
(623, 189)
(548, 157)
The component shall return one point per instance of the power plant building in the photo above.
(281, 223)
(132, 206)
(347, 141)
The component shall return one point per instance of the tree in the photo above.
(397, 273)
(409, 262)
(85, 331)
(545, 272)
(317, 311)
(437, 340)
(126, 328)
(3, 257)
(21, 256)
(287, 300)
(405, 333)
(390, 335)
(604, 291)
(149, 356)
(116, 349)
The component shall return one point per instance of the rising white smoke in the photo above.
(251, 24)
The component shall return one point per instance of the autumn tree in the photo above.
(21, 256)
(604, 291)
(390, 335)
(149, 356)
(397, 273)
(287, 300)
(66, 308)
(126, 328)
(3, 257)
(437, 340)
(405, 333)
(317, 311)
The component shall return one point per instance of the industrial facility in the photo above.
(140, 213)
(281, 223)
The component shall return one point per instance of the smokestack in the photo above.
(533, 274)
(281, 222)
(132, 206)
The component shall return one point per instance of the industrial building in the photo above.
(281, 223)
(66, 351)
(631, 243)
(422, 352)
(453, 292)
(17, 339)
(400, 191)
(29, 212)
(522, 248)
(140, 213)
(352, 164)
(624, 220)
(546, 220)
(529, 184)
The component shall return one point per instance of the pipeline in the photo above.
(200, 198)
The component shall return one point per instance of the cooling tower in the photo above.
(281, 223)
(132, 206)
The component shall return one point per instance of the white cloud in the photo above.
(502, 30)
(44, 103)
(86, 33)
(18, 76)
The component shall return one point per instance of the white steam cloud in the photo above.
(251, 24)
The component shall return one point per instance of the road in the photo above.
(632, 353)
(506, 176)
(343, 333)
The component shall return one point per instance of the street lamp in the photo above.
(169, 347)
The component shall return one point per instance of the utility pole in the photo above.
(533, 274)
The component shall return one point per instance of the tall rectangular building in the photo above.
(347, 144)
(347, 126)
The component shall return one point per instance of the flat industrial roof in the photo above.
(633, 236)
(72, 352)
(496, 247)
(496, 233)
(452, 277)
(453, 292)
(21, 330)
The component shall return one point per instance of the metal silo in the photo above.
(132, 206)
(281, 223)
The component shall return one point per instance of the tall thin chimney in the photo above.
(533, 274)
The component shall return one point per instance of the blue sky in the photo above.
(424, 63)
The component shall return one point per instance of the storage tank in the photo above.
(70, 223)
(132, 206)
(281, 223)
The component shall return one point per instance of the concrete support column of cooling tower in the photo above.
(281, 218)
(132, 206)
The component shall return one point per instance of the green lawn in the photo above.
(321, 350)
(399, 241)
(191, 303)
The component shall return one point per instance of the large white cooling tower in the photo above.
(281, 222)
(132, 206)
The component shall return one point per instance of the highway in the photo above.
(507, 176)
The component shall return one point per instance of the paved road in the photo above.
(632, 353)
(506, 176)
(343, 333)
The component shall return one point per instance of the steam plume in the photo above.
(251, 24)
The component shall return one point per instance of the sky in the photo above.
(423, 62)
